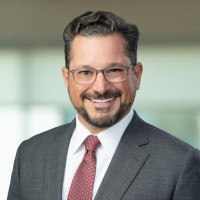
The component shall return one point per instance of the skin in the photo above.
(100, 52)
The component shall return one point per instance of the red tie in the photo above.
(83, 181)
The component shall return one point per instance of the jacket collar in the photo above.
(127, 161)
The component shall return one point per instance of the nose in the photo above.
(100, 85)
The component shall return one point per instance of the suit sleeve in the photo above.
(188, 183)
(14, 189)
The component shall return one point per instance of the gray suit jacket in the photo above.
(149, 164)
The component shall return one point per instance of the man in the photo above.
(125, 158)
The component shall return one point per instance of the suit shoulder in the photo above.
(52, 134)
(163, 139)
(160, 140)
(37, 146)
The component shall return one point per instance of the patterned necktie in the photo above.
(83, 181)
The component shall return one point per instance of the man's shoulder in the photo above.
(56, 133)
(168, 145)
(161, 139)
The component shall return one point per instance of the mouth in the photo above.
(102, 100)
(102, 104)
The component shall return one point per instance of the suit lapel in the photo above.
(126, 163)
(55, 163)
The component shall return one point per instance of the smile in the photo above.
(102, 100)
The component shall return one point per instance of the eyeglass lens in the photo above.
(114, 74)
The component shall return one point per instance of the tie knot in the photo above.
(91, 143)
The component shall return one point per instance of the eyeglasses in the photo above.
(89, 75)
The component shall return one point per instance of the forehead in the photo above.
(97, 48)
(112, 38)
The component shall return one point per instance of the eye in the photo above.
(85, 72)
(115, 70)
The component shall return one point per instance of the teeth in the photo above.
(102, 100)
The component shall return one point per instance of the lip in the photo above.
(103, 100)
(102, 103)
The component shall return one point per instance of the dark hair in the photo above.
(101, 23)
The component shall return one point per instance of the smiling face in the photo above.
(101, 104)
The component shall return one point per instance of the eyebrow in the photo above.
(115, 65)
(107, 66)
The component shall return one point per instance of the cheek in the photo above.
(128, 92)
(75, 92)
(128, 96)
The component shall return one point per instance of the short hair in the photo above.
(101, 23)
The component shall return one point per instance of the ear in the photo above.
(65, 74)
(138, 69)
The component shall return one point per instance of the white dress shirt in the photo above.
(109, 140)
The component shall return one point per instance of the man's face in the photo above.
(101, 104)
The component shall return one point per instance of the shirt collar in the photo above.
(109, 138)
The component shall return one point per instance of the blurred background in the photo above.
(33, 97)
